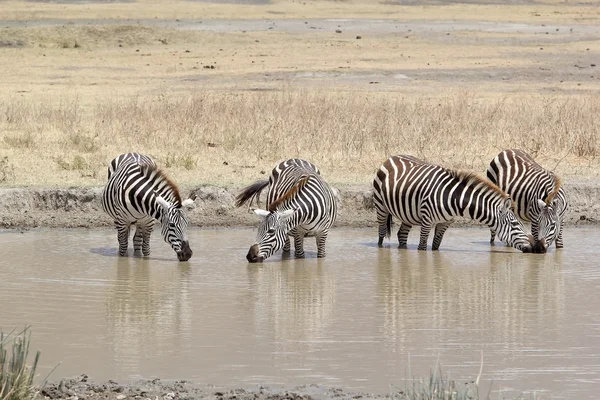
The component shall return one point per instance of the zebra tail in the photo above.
(249, 193)
(388, 228)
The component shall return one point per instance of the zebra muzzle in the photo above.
(185, 253)
(253, 255)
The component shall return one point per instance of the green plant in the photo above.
(16, 377)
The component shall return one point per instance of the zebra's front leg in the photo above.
(137, 240)
(559, 238)
(425, 229)
(286, 244)
(492, 236)
(298, 244)
(440, 229)
(146, 243)
(122, 237)
(321, 238)
(403, 235)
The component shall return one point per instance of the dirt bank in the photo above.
(81, 388)
(80, 207)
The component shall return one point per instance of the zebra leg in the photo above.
(425, 229)
(403, 235)
(286, 245)
(146, 243)
(321, 238)
(384, 225)
(492, 236)
(122, 237)
(440, 229)
(137, 240)
(559, 238)
(299, 244)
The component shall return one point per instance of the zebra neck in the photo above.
(475, 205)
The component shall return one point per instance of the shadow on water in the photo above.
(112, 252)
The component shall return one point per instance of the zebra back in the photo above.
(128, 158)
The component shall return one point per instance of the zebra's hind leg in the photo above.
(321, 238)
(146, 243)
(440, 229)
(384, 219)
(122, 237)
(425, 229)
(403, 235)
(299, 244)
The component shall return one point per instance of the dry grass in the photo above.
(77, 94)
(231, 137)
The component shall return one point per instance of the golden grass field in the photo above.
(219, 92)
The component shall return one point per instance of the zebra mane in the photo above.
(552, 194)
(290, 193)
(466, 176)
(162, 181)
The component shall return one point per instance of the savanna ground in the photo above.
(220, 92)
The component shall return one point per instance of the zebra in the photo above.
(138, 192)
(419, 193)
(299, 203)
(537, 193)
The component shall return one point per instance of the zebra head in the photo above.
(512, 232)
(174, 224)
(271, 234)
(548, 224)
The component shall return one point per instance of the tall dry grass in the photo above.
(347, 134)
(16, 377)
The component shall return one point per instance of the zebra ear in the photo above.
(542, 204)
(262, 213)
(286, 214)
(165, 204)
(188, 203)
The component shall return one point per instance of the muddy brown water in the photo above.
(363, 319)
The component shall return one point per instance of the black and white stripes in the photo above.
(419, 193)
(299, 204)
(537, 193)
(139, 193)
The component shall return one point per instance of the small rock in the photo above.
(359, 37)
(338, 31)
(121, 397)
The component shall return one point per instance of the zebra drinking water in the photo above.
(537, 193)
(419, 193)
(299, 203)
(139, 193)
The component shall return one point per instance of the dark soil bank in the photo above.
(82, 389)
(80, 207)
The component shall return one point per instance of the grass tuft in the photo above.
(16, 377)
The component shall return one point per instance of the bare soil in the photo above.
(82, 388)
(23, 208)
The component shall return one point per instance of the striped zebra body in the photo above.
(537, 193)
(139, 193)
(299, 203)
(419, 193)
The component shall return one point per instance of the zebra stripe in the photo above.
(299, 203)
(537, 193)
(139, 193)
(419, 193)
